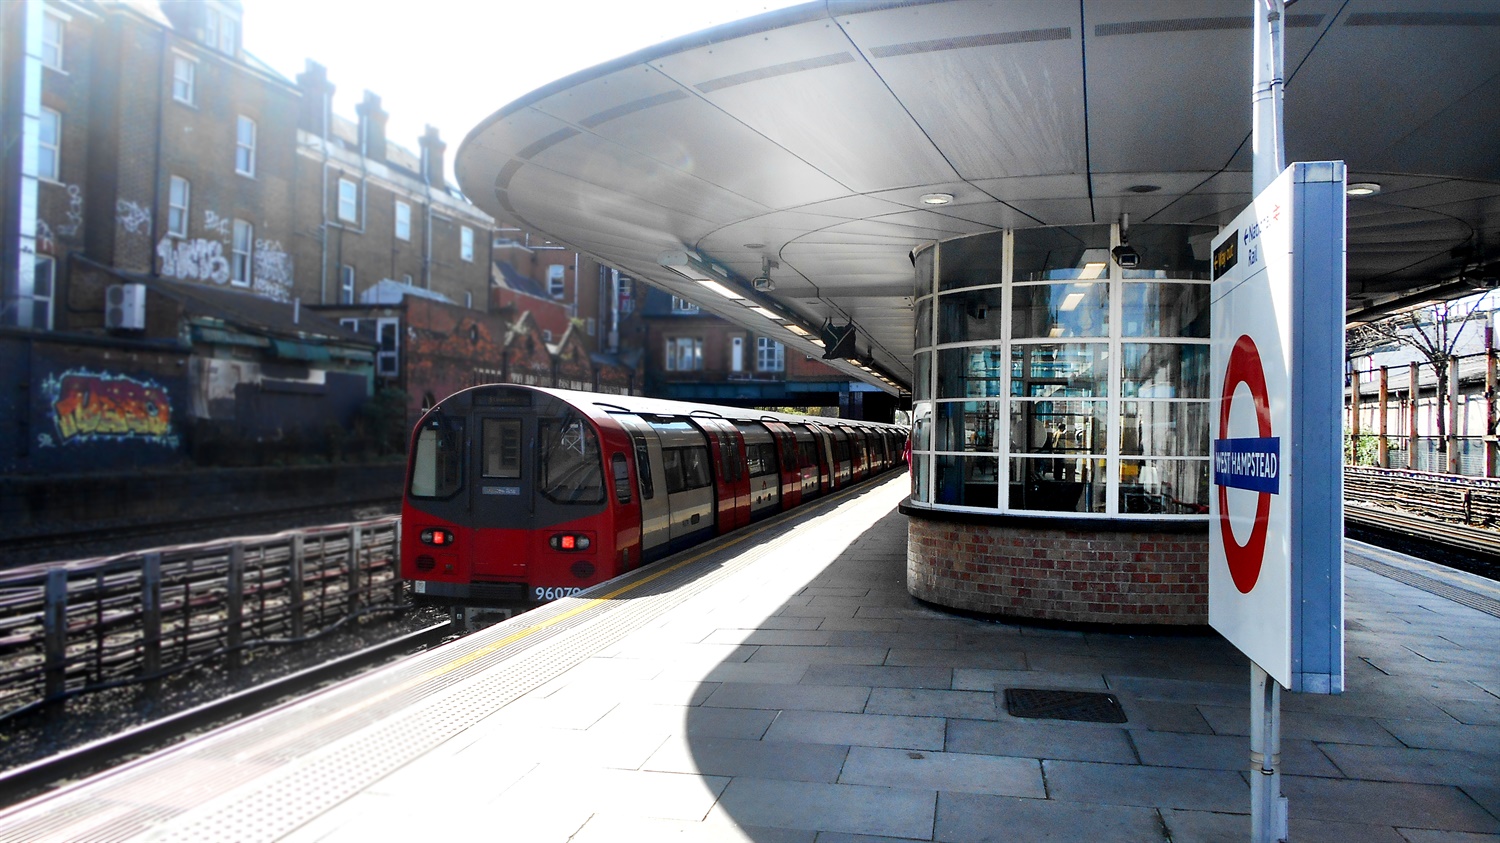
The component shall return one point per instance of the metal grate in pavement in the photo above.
(1052, 704)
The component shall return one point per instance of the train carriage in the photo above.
(525, 494)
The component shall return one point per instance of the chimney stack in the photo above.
(316, 114)
(372, 120)
(432, 157)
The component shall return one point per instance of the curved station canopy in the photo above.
(818, 146)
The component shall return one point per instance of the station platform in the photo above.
(781, 685)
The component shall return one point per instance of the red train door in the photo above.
(786, 463)
(731, 480)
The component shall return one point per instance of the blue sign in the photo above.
(1253, 464)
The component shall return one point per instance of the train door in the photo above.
(504, 499)
(761, 469)
(814, 479)
(838, 443)
(686, 469)
(789, 472)
(656, 513)
(731, 483)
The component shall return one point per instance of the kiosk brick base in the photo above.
(1133, 576)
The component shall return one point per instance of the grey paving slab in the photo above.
(1162, 716)
(795, 638)
(764, 672)
(1207, 827)
(1226, 752)
(758, 759)
(976, 818)
(1382, 803)
(854, 809)
(993, 660)
(1181, 690)
(1297, 724)
(817, 612)
(1418, 835)
(1474, 712)
(820, 655)
(945, 771)
(1424, 734)
(1041, 739)
(850, 698)
(986, 679)
(969, 705)
(858, 624)
(918, 733)
(879, 676)
(1427, 766)
(786, 622)
(693, 721)
(896, 640)
(1155, 787)
(616, 828)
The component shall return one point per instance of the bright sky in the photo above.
(451, 63)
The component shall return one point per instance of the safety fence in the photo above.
(138, 617)
(1407, 417)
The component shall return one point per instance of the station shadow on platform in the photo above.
(808, 697)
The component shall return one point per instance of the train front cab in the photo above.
(525, 513)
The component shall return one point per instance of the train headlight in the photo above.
(440, 538)
(570, 542)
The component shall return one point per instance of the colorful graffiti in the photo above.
(89, 407)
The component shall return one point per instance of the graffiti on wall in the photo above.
(196, 260)
(132, 216)
(272, 271)
(215, 223)
(103, 407)
(44, 239)
(75, 212)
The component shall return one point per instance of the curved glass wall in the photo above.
(1051, 380)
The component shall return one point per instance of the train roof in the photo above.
(641, 405)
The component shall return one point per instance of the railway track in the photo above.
(21, 782)
(1472, 549)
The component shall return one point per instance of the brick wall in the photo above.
(1076, 575)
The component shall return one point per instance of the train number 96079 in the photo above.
(543, 595)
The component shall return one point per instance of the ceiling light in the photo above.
(720, 289)
(755, 245)
(1092, 270)
(936, 198)
(1056, 331)
(766, 313)
(1362, 188)
(689, 265)
(799, 330)
(1071, 301)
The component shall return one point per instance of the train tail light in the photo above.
(436, 537)
(570, 542)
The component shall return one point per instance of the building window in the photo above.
(591, 326)
(346, 284)
(466, 243)
(244, 147)
(770, 355)
(406, 279)
(42, 284)
(240, 263)
(555, 274)
(388, 347)
(178, 197)
(348, 200)
(54, 29)
(49, 152)
(351, 324)
(469, 300)
(185, 80)
(221, 31)
(403, 220)
(683, 306)
(546, 335)
(684, 354)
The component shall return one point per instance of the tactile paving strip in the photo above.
(1463, 597)
(265, 777)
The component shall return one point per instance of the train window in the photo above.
(695, 473)
(622, 478)
(671, 464)
(502, 447)
(569, 461)
(436, 467)
(840, 449)
(732, 468)
(643, 469)
(761, 458)
(809, 451)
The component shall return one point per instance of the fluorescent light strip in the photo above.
(766, 313)
(720, 289)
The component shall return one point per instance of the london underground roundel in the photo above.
(1251, 463)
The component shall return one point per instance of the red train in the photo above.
(523, 494)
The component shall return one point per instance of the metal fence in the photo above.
(1403, 404)
(100, 623)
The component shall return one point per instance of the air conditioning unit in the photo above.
(125, 307)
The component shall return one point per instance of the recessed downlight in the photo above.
(936, 198)
(1362, 188)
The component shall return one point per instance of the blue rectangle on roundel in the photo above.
(1253, 464)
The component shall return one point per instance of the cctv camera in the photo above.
(1126, 257)
(763, 283)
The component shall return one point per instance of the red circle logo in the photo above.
(1245, 559)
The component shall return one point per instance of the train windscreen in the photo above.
(569, 458)
(437, 467)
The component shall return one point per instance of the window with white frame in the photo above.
(555, 275)
(49, 152)
(466, 243)
(221, 30)
(244, 146)
(351, 324)
(770, 355)
(680, 305)
(185, 80)
(42, 285)
(54, 29)
(346, 284)
(388, 347)
(348, 200)
(179, 195)
(240, 263)
(684, 354)
(403, 220)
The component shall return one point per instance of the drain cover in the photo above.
(1050, 704)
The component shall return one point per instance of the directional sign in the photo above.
(1276, 527)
